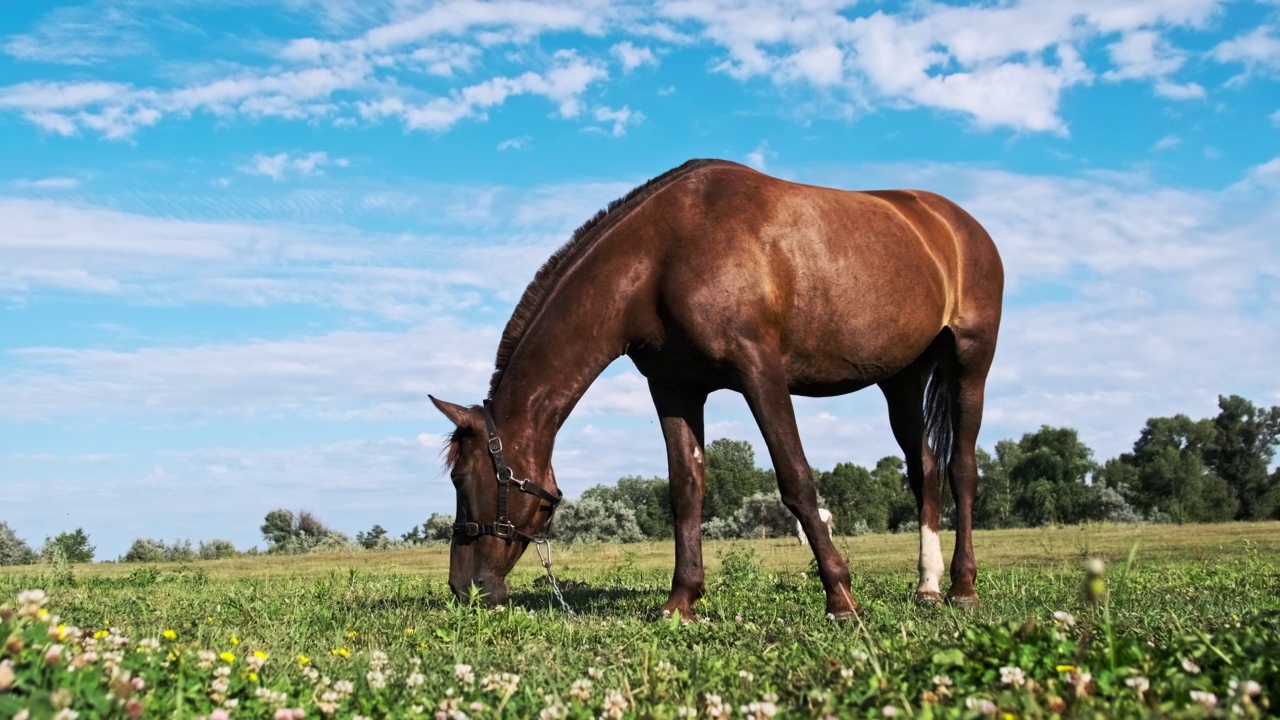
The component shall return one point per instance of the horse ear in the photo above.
(460, 415)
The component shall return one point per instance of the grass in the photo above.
(1178, 597)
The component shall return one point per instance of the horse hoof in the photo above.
(843, 616)
(929, 599)
(967, 603)
(684, 613)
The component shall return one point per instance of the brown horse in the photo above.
(716, 276)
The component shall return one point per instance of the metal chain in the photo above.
(546, 564)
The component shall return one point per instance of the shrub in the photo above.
(216, 550)
(287, 534)
(145, 550)
(593, 520)
(13, 549)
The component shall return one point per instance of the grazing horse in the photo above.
(715, 276)
(825, 516)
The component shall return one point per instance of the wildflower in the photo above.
(408, 631)
(889, 711)
(759, 711)
(53, 655)
(685, 711)
(501, 683)
(1012, 676)
(1064, 619)
(716, 708)
(133, 708)
(30, 603)
(1081, 682)
(340, 652)
(219, 714)
(100, 634)
(464, 674)
(580, 690)
(1066, 668)
(148, 645)
(1056, 704)
(860, 657)
(6, 675)
(23, 714)
(1139, 683)
(1095, 588)
(283, 714)
(169, 635)
(596, 673)
(1248, 688)
(1190, 666)
(476, 707)
(746, 676)
(303, 659)
(227, 657)
(1206, 699)
(846, 676)
(351, 634)
(235, 640)
(255, 661)
(66, 714)
(982, 705)
(344, 688)
(554, 711)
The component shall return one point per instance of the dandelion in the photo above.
(352, 634)
(235, 640)
(1065, 668)
(227, 657)
(341, 652)
(1012, 676)
(169, 635)
(303, 660)
(1206, 699)
(1139, 683)
(464, 674)
(1190, 666)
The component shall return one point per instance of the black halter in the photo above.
(503, 528)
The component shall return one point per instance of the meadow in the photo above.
(1184, 622)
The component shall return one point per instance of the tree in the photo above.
(1166, 472)
(853, 494)
(217, 549)
(650, 499)
(1240, 452)
(72, 546)
(594, 521)
(1050, 477)
(375, 539)
(13, 549)
(994, 506)
(286, 533)
(145, 550)
(732, 477)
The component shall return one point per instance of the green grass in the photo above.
(1207, 595)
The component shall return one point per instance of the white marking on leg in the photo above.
(800, 534)
(931, 566)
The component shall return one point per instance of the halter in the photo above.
(503, 528)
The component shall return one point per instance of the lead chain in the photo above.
(546, 564)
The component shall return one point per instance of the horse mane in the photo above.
(581, 241)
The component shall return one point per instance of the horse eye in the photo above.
(457, 478)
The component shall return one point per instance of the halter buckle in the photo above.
(504, 530)
(495, 445)
(471, 529)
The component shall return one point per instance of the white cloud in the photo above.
(50, 183)
(1168, 142)
(631, 56)
(1258, 50)
(80, 35)
(621, 118)
(515, 143)
(758, 158)
(278, 165)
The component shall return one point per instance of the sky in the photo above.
(241, 241)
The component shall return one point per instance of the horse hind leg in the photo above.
(904, 394)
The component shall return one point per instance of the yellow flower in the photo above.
(228, 657)
(62, 632)
(260, 654)
(173, 655)
(341, 652)
(1066, 668)
(702, 600)
(169, 635)
(42, 614)
(100, 634)
(209, 619)
(408, 631)
(235, 640)
(303, 659)
(253, 677)
(351, 634)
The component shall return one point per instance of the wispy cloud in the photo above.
(620, 118)
(279, 165)
(632, 56)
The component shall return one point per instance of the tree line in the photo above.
(1179, 470)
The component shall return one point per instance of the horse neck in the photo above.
(564, 349)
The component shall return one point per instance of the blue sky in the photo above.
(242, 240)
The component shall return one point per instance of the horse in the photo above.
(716, 276)
(825, 516)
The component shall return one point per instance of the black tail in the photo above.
(940, 400)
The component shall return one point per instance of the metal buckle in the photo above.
(510, 476)
(495, 441)
(504, 530)
(471, 529)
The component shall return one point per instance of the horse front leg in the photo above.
(769, 398)
(681, 413)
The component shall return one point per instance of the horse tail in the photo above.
(941, 397)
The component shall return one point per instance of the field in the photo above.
(1185, 623)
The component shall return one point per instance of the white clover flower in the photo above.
(982, 705)
(1207, 699)
(376, 680)
(66, 714)
(596, 673)
(502, 683)
(889, 711)
(1065, 619)
(207, 659)
(759, 711)
(716, 708)
(746, 677)
(1012, 676)
(1248, 688)
(554, 711)
(344, 688)
(464, 674)
(614, 704)
(1191, 666)
(415, 680)
(860, 657)
(148, 645)
(942, 680)
(664, 670)
(1139, 683)
(685, 711)
(581, 690)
